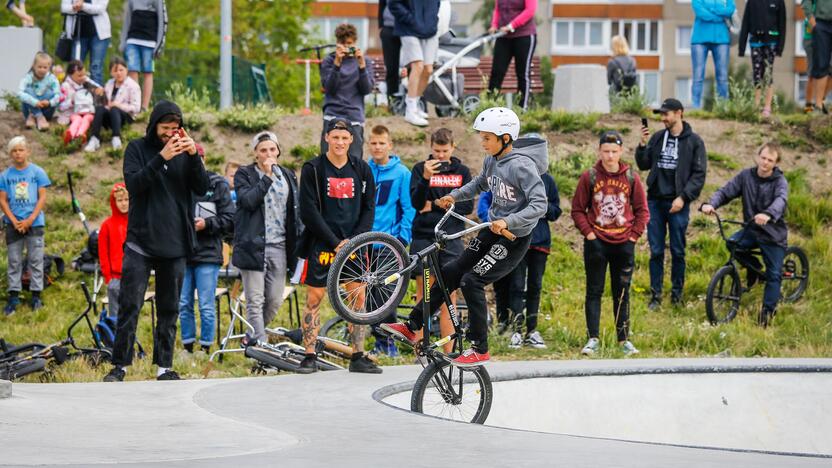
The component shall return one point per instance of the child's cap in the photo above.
(611, 136)
(19, 140)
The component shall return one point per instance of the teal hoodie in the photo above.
(394, 212)
(709, 26)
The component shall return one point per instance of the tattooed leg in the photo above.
(357, 332)
(311, 318)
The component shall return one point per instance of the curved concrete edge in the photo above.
(731, 368)
(5, 389)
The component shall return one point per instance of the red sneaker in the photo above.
(400, 330)
(471, 358)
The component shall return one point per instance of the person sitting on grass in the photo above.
(765, 193)
(111, 238)
(39, 93)
(78, 106)
(22, 198)
(123, 103)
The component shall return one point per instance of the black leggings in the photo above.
(112, 118)
(391, 46)
(522, 50)
(509, 291)
(487, 258)
(621, 260)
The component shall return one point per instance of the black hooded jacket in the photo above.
(160, 219)
(441, 184)
(691, 168)
(209, 240)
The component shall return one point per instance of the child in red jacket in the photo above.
(111, 238)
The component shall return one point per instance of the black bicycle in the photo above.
(367, 281)
(722, 301)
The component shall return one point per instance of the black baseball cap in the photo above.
(611, 136)
(669, 105)
(339, 124)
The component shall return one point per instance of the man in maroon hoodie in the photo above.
(610, 210)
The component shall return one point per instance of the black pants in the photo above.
(524, 282)
(487, 258)
(391, 46)
(521, 49)
(621, 260)
(112, 118)
(135, 274)
(357, 145)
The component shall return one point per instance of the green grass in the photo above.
(722, 160)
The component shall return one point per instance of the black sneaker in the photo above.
(115, 375)
(764, 319)
(189, 347)
(676, 300)
(36, 303)
(655, 303)
(169, 375)
(11, 306)
(308, 365)
(364, 365)
(206, 349)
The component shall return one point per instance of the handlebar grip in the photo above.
(508, 235)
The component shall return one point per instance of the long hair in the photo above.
(620, 46)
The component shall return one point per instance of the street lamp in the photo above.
(226, 97)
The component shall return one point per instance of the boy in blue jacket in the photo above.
(394, 212)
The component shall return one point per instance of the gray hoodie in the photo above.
(519, 196)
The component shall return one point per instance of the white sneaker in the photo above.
(591, 347)
(92, 145)
(535, 340)
(628, 348)
(516, 341)
(116, 143)
(414, 119)
(421, 113)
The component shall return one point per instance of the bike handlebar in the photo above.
(720, 221)
(474, 226)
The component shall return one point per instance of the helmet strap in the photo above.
(505, 145)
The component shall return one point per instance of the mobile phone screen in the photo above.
(643, 122)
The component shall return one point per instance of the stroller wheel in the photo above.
(470, 103)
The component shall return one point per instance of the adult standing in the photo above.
(677, 162)
(764, 30)
(92, 35)
(710, 34)
(622, 73)
(416, 24)
(391, 47)
(819, 14)
(515, 18)
(265, 230)
(142, 39)
(162, 171)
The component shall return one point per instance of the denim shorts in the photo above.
(139, 58)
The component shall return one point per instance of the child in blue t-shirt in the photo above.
(22, 197)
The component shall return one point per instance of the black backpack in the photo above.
(53, 268)
(624, 78)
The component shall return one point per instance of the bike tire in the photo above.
(356, 264)
(296, 356)
(18, 369)
(795, 275)
(722, 301)
(270, 358)
(336, 328)
(431, 393)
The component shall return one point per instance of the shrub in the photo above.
(567, 170)
(195, 105)
(740, 105)
(630, 101)
(569, 122)
(248, 118)
(12, 102)
(824, 135)
(806, 211)
(722, 160)
(305, 152)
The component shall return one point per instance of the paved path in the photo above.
(324, 419)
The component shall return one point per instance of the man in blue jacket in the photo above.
(710, 34)
(394, 211)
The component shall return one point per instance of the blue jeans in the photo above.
(662, 221)
(47, 112)
(699, 58)
(201, 278)
(773, 256)
(97, 50)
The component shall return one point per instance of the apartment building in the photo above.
(579, 31)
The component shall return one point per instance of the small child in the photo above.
(39, 92)
(22, 198)
(111, 238)
(78, 106)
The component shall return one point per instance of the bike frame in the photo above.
(732, 250)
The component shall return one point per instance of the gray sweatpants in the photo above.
(113, 287)
(33, 241)
(264, 290)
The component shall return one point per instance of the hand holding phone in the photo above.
(645, 132)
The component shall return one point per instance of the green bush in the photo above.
(305, 152)
(824, 135)
(807, 212)
(567, 170)
(740, 105)
(722, 160)
(248, 118)
(630, 101)
(12, 102)
(569, 122)
(195, 105)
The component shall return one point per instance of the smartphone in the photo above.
(351, 51)
(644, 122)
(444, 166)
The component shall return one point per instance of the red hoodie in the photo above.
(608, 209)
(111, 238)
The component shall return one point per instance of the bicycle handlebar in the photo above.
(474, 226)
(719, 221)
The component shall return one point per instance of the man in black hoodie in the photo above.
(677, 162)
(162, 170)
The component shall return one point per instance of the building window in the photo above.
(682, 90)
(683, 34)
(323, 29)
(577, 37)
(650, 85)
(798, 40)
(800, 80)
(642, 35)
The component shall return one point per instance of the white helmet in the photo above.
(499, 121)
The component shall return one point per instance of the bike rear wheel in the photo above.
(795, 274)
(449, 392)
(723, 297)
(356, 281)
(271, 358)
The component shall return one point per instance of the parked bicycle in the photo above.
(367, 281)
(722, 301)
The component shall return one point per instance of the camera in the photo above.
(351, 51)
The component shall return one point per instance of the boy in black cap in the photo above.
(337, 202)
(677, 162)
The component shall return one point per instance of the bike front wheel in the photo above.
(723, 297)
(795, 275)
(449, 392)
(365, 282)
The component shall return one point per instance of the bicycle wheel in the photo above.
(17, 369)
(295, 356)
(356, 281)
(270, 358)
(336, 328)
(453, 393)
(723, 298)
(795, 275)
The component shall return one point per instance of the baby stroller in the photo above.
(446, 86)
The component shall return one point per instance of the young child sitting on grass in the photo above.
(39, 93)
(78, 106)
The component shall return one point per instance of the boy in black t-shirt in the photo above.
(337, 202)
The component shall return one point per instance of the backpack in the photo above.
(624, 78)
(53, 268)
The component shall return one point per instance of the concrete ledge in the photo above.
(5, 389)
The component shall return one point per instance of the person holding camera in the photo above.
(346, 79)
(163, 171)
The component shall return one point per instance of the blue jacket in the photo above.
(394, 211)
(419, 18)
(709, 26)
(541, 236)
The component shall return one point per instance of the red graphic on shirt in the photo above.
(340, 188)
(446, 180)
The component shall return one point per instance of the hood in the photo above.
(776, 174)
(622, 168)
(113, 208)
(686, 131)
(535, 149)
(391, 164)
(161, 109)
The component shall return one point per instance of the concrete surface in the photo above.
(327, 419)
(5, 389)
(16, 55)
(581, 88)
